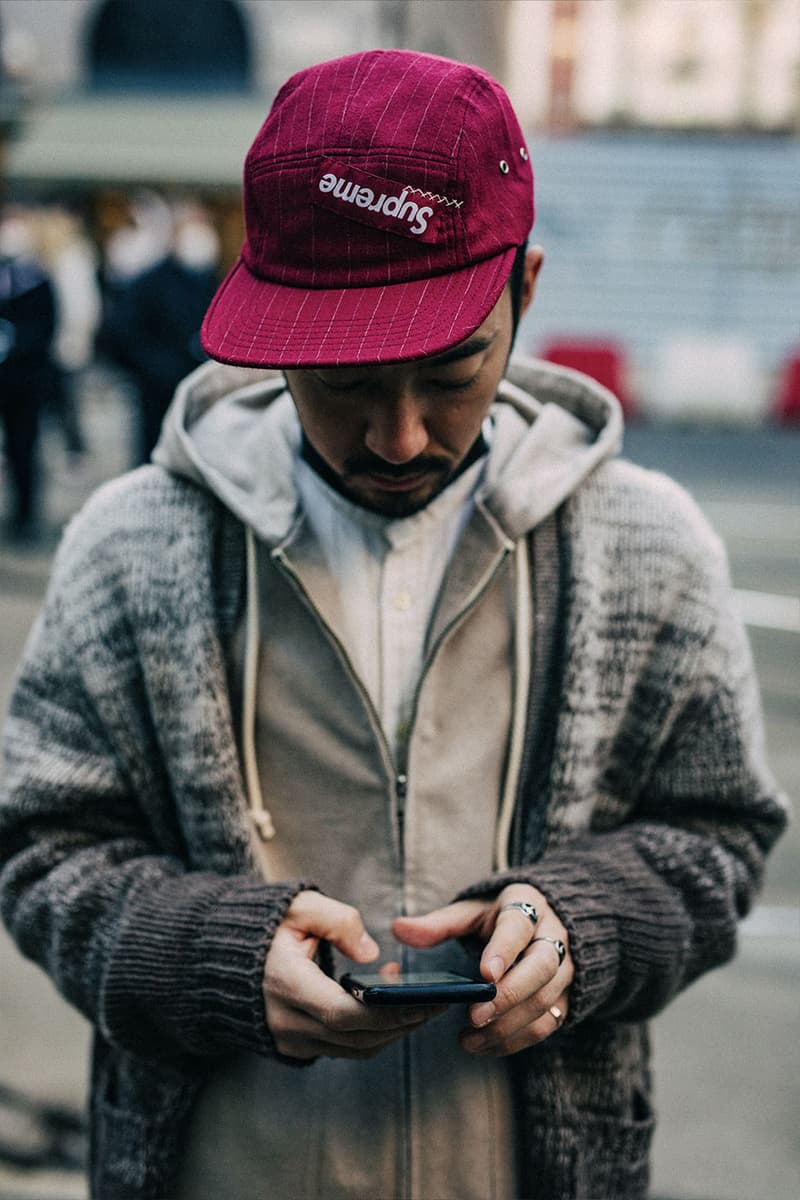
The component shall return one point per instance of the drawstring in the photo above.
(522, 672)
(259, 813)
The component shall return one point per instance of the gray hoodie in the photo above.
(572, 425)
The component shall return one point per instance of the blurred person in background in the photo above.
(72, 265)
(140, 243)
(386, 656)
(27, 373)
(153, 321)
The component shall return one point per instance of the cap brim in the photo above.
(252, 322)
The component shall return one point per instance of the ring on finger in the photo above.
(527, 910)
(561, 949)
(557, 1015)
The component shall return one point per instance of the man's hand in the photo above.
(308, 1013)
(531, 980)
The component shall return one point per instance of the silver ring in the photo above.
(525, 908)
(561, 949)
(556, 1014)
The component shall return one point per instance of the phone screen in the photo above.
(417, 987)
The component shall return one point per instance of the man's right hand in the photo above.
(307, 1012)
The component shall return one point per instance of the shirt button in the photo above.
(402, 601)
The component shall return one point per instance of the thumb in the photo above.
(312, 915)
(452, 921)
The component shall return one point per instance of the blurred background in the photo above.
(665, 139)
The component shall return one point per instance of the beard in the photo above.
(357, 482)
(354, 478)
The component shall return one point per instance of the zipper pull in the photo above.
(400, 790)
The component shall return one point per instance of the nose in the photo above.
(396, 429)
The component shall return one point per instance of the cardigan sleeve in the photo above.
(166, 961)
(651, 898)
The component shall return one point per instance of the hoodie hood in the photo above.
(235, 432)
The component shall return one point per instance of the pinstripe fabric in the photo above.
(385, 196)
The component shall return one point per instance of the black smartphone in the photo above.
(417, 987)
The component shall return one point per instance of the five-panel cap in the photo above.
(384, 198)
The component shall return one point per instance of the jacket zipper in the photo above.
(399, 775)
(401, 785)
(399, 781)
(400, 794)
(474, 597)
(397, 772)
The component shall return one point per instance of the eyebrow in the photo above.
(473, 346)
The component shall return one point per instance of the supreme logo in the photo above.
(383, 203)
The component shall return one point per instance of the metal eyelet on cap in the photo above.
(504, 167)
(523, 153)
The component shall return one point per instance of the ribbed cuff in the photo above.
(629, 929)
(232, 947)
(592, 929)
(581, 904)
(186, 972)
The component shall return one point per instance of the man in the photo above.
(385, 659)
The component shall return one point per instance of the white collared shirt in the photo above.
(389, 572)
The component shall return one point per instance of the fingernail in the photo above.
(473, 1045)
(496, 968)
(483, 1014)
(368, 945)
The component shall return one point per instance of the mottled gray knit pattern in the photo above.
(645, 812)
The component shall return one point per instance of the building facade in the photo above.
(664, 136)
(712, 65)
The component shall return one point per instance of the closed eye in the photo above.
(347, 385)
(455, 385)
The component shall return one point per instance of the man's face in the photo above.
(394, 436)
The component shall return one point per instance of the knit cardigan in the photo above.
(644, 812)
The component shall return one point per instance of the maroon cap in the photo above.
(384, 196)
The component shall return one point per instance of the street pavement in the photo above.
(726, 1053)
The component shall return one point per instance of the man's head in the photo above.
(386, 199)
(392, 436)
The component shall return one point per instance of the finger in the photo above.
(454, 920)
(523, 982)
(519, 1015)
(323, 917)
(295, 983)
(383, 1017)
(293, 978)
(512, 934)
(289, 1027)
(310, 1048)
(495, 1044)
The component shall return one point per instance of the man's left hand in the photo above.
(532, 982)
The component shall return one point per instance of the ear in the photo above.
(534, 257)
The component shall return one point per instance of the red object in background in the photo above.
(787, 404)
(603, 360)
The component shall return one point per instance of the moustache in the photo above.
(369, 465)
